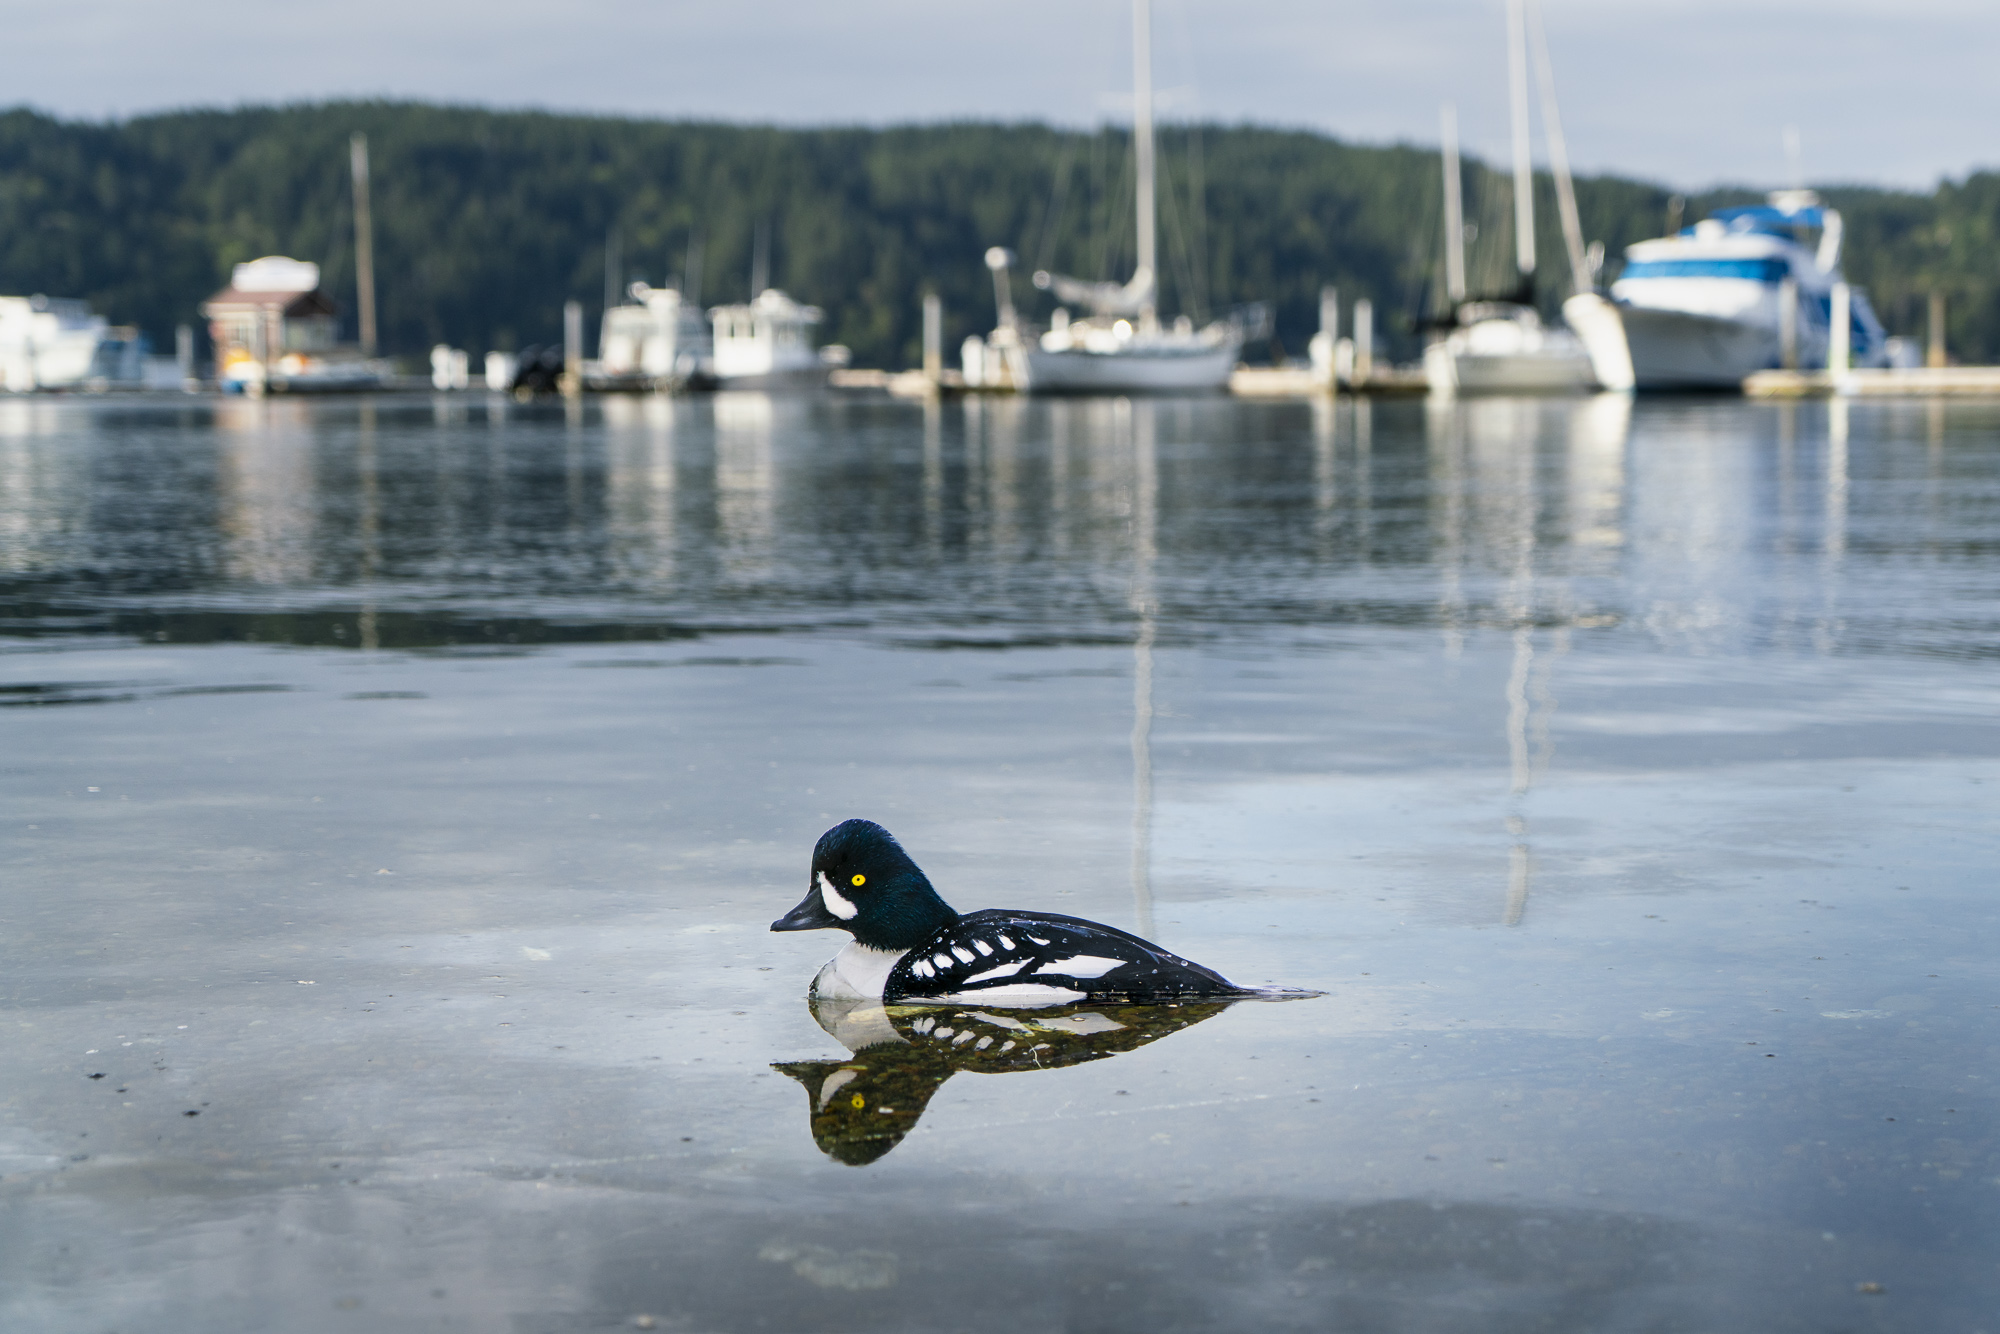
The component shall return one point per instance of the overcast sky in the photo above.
(1689, 92)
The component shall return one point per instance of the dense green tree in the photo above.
(487, 221)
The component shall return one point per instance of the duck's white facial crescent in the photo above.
(836, 903)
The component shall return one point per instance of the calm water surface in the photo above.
(394, 796)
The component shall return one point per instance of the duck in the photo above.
(910, 945)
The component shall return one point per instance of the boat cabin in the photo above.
(658, 339)
(766, 341)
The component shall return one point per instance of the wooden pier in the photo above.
(1914, 382)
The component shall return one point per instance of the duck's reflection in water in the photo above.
(863, 1106)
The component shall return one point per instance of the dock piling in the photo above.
(1788, 324)
(1839, 333)
(933, 337)
(572, 347)
(1364, 340)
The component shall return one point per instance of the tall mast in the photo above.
(1524, 169)
(364, 244)
(1142, 152)
(1552, 126)
(1454, 210)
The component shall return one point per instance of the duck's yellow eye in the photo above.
(857, 1101)
(858, 881)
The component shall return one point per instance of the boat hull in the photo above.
(1674, 349)
(797, 377)
(1512, 373)
(1642, 347)
(1076, 371)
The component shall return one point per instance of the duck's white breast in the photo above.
(856, 973)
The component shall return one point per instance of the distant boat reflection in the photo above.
(863, 1106)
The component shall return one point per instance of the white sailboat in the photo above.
(1121, 346)
(1503, 346)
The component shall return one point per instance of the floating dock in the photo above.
(1915, 382)
(1277, 382)
(1304, 382)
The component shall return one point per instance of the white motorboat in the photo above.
(659, 340)
(1502, 346)
(766, 344)
(1121, 346)
(1738, 292)
(49, 343)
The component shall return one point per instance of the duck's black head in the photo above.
(864, 883)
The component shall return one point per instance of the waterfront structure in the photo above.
(275, 330)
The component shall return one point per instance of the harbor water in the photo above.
(395, 795)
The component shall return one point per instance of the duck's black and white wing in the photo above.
(1043, 958)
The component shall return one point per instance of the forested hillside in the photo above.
(486, 221)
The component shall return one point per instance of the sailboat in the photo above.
(1502, 346)
(1120, 346)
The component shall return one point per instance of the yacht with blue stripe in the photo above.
(1746, 290)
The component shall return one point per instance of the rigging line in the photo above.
(1425, 253)
(1490, 273)
(1099, 230)
(1178, 234)
(1052, 216)
(1198, 207)
(1552, 130)
(1111, 252)
(1493, 268)
(1195, 301)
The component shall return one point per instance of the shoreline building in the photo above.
(275, 330)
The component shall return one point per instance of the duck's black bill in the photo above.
(810, 915)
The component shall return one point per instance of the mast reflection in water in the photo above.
(862, 1107)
